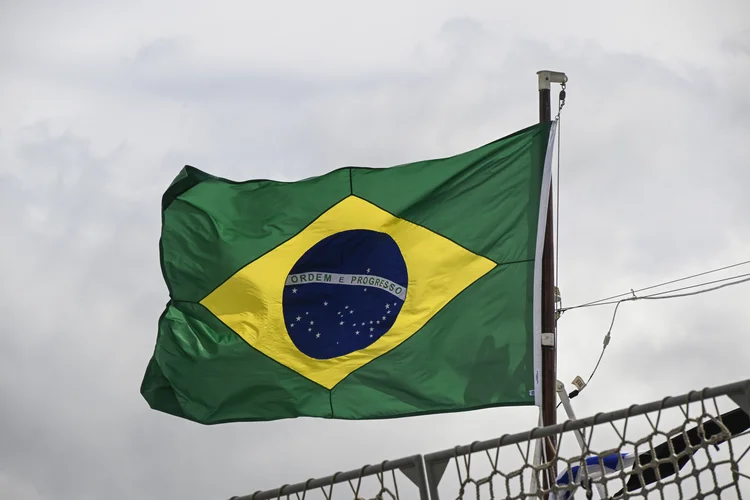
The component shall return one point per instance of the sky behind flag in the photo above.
(103, 103)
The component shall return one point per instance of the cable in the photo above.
(608, 300)
(655, 296)
(665, 283)
(557, 205)
(560, 105)
(605, 343)
(678, 295)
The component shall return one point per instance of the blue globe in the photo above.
(344, 293)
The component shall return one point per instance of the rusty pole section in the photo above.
(549, 342)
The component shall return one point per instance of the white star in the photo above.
(387, 306)
(363, 323)
(371, 329)
(351, 311)
(317, 335)
(341, 322)
(370, 322)
(309, 329)
(371, 335)
(378, 322)
(312, 322)
(337, 343)
(365, 289)
(325, 303)
(383, 318)
(307, 313)
(356, 333)
(368, 269)
(292, 325)
(395, 303)
(388, 312)
(299, 318)
(346, 307)
(354, 324)
(294, 290)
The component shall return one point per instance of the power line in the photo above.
(608, 300)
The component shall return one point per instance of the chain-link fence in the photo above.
(693, 446)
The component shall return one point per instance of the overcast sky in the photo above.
(101, 106)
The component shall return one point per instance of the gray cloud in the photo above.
(738, 44)
(654, 169)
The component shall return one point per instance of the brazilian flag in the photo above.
(362, 293)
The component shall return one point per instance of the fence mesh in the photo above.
(390, 480)
(689, 447)
(694, 446)
(684, 453)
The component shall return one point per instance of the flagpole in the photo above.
(549, 330)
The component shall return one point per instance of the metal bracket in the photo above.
(435, 471)
(547, 78)
(742, 400)
(548, 339)
(580, 437)
(415, 474)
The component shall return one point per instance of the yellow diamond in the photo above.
(250, 302)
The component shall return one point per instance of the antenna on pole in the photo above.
(549, 320)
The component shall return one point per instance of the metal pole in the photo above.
(537, 457)
(565, 400)
(549, 347)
